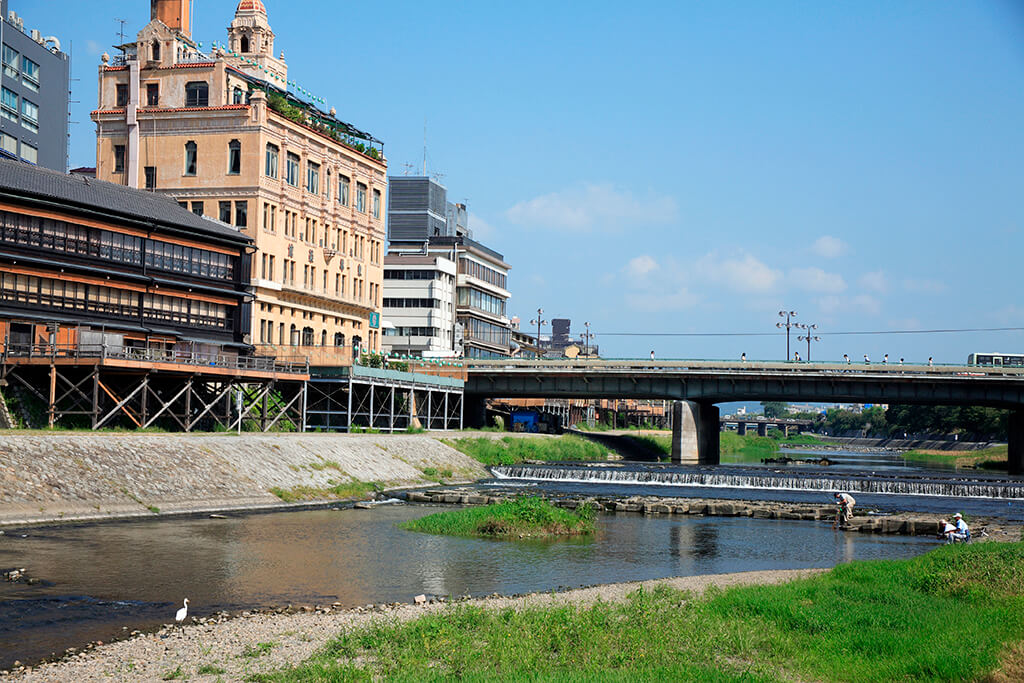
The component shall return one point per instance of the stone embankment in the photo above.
(77, 477)
(909, 524)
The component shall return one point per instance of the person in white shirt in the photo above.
(845, 502)
(947, 531)
(961, 527)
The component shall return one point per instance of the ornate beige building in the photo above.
(220, 132)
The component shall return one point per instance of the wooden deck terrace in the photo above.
(225, 366)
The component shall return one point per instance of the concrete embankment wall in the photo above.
(905, 444)
(75, 476)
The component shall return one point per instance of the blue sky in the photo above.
(684, 167)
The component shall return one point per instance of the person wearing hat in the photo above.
(962, 530)
(845, 502)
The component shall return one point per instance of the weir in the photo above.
(904, 485)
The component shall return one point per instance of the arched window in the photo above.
(294, 337)
(197, 94)
(307, 336)
(154, 50)
(356, 342)
(244, 44)
(234, 157)
(339, 339)
(190, 158)
(323, 338)
(237, 96)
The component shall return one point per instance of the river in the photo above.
(101, 581)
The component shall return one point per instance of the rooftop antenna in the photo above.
(121, 34)
(407, 168)
(424, 145)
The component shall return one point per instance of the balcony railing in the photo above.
(14, 351)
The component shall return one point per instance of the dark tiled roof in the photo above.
(76, 191)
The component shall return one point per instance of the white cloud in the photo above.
(654, 301)
(827, 246)
(875, 281)
(93, 48)
(1010, 316)
(866, 304)
(641, 266)
(863, 303)
(482, 230)
(924, 286)
(815, 279)
(745, 274)
(593, 207)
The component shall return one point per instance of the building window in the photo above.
(29, 153)
(183, 205)
(343, 190)
(234, 157)
(150, 177)
(121, 96)
(224, 213)
(190, 158)
(237, 96)
(327, 185)
(312, 177)
(30, 74)
(241, 214)
(292, 170)
(197, 208)
(152, 94)
(10, 60)
(9, 105)
(244, 45)
(29, 115)
(9, 144)
(376, 203)
(118, 158)
(197, 94)
(154, 51)
(360, 198)
(271, 166)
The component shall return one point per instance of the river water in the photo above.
(100, 581)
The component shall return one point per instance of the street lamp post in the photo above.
(538, 322)
(587, 336)
(788, 324)
(809, 337)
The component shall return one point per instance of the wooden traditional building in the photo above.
(117, 304)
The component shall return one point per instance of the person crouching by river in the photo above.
(961, 527)
(949, 532)
(845, 502)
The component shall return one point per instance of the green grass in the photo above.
(522, 518)
(943, 616)
(258, 650)
(511, 450)
(209, 669)
(994, 458)
(352, 489)
(174, 674)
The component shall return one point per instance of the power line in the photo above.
(773, 334)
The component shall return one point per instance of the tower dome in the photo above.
(251, 6)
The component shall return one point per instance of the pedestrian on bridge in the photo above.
(652, 354)
(867, 361)
(885, 361)
(796, 356)
(743, 357)
(846, 358)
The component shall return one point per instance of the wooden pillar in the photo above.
(51, 418)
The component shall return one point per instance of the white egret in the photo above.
(182, 613)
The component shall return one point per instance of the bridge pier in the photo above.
(475, 410)
(1015, 442)
(762, 429)
(695, 433)
(741, 428)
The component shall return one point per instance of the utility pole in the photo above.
(538, 322)
(787, 315)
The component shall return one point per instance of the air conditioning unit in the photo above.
(36, 35)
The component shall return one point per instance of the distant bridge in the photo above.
(696, 385)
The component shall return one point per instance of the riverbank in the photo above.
(235, 648)
(78, 477)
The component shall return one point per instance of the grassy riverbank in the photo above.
(994, 458)
(523, 518)
(948, 615)
(511, 450)
(732, 446)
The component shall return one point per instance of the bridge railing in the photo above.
(739, 367)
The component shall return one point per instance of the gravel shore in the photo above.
(230, 646)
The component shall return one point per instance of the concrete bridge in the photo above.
(696, 386)
(761, 424)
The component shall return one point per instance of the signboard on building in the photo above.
(374, 321)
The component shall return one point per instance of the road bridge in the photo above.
(696, 386)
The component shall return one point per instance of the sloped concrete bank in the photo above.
(46, 478)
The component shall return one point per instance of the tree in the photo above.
(775, 408)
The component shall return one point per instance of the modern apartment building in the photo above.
(224, 134)
(34, 95)
(424, 226)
